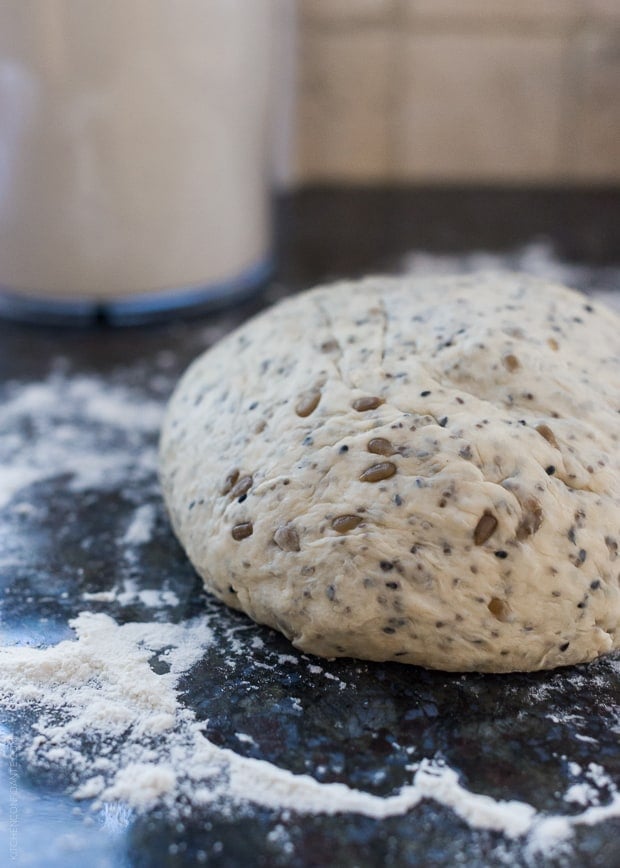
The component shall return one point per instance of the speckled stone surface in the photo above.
(512, 737)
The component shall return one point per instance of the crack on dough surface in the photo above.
(328, 325)
(460, 448)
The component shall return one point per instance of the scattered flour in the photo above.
(141, 528)
(581, 794)
(536, 258)
(82, 427)
(130, 592)
(113, 723)
(150, 749)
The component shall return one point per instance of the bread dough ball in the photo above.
(423, 470)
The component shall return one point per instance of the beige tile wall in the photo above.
(458, 90)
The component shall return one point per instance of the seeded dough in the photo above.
(423, 470)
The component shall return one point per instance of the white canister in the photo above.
(134, 170)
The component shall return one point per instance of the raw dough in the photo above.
(423, 470)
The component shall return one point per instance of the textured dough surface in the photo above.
(423, 470)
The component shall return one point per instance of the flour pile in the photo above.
(104, 711)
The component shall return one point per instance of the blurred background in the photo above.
(141, 142)
(476, 91)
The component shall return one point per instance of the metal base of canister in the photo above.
(135, 309)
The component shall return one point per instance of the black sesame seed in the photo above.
(443, 422)
(501, 554)
(308, 441)
(550, 470)
(425, 393)
(588, 308)
(392, 585)
(582, 555)
(389, 630)
(192, 504)
(330, 592)
(386, 566)
(242, 498)
(253, 405)
(398, 622)
(564, 646)
(231, 590)
(344, 448)
(595, 585)
(398, 500)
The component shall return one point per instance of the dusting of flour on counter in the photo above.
(141, 528)
(536, 258)
(105, 710)
(81, 426)
(146, 748)
(129, 592)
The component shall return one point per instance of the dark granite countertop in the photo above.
(525, 737)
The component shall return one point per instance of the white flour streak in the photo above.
(102, 684)
(130, 592)
(140, 530)
(146, 748)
